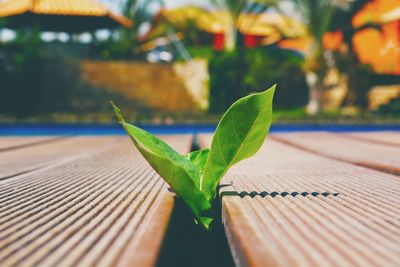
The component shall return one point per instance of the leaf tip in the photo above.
(117, 112)
(272, 89)
(206, 223)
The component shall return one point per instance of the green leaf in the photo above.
(177, 170)
(240, 133)
(195, 176)
(199, 158)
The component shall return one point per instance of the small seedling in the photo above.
(195, 176)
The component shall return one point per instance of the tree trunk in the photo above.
(315, 69)
(315, 102)
(231, 36)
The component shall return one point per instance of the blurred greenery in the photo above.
(21, 73)
(318, 16)
(234, 74)
(227, 71)
(269, 65)
(124, 43)
(359, 76)
(359, 80)
(33, 84)
(201, 51)
(391, 108)
(282, 116)
(235, 8)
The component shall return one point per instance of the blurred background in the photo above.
(187, 61)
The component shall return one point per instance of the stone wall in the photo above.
(194, 75)
(165, 87)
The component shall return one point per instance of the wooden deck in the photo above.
(380, 155)
(81, 201)
(303, 200)
(306, 199)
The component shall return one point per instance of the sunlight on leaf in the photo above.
(195, 176)
(240, 133)
(178, 171)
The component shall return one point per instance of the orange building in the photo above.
(379, 48)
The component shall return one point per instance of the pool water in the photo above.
(115, 129)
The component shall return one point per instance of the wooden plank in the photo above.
(107, 209)
(289, 207)
(13, 142)
(149, 236)
(372, 155)
(14, 162)
(386, 138)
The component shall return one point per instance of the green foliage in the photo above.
(236, 7)
(342, 20)
(39, 86)
(268, 65)
(234, 38)
(124, 43)
(359, 79)
(193, 36)
(195, 176)
(391, 108)
(21, 74)
(2, 23)
(233, 75)
(200, 51)
(318, 15)
(359, 76)
(227, 71)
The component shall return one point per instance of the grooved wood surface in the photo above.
(18, 161)
(357, 151)
(105, 207)
(386, 138)
(290, 207)
(8, 143)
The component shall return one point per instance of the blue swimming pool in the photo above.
(114, 129)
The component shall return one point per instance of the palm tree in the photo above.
(235, 8)
(317, 16)
(358, 75)
(141, 13)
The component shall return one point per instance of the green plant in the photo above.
(195, 176)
